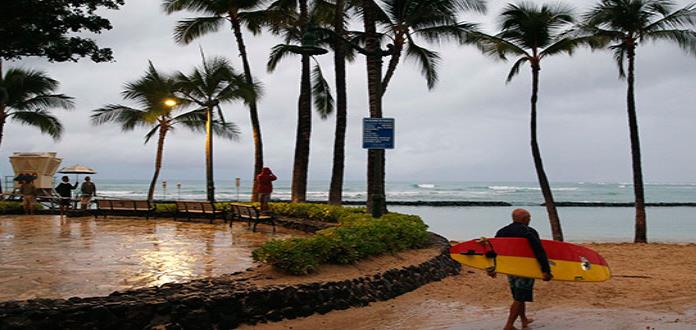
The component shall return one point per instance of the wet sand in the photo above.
(50, 257)
(654, 286)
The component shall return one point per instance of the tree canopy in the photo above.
(53, 29)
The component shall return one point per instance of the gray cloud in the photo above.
(472, 126)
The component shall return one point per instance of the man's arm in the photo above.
(539, 252)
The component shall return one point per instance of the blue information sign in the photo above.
(378, 133)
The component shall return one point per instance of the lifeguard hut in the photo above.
(42, 165)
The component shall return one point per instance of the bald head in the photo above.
(521, 216)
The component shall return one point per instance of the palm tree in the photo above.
(302, 38)
(532, 33)
(336, 185)
(154, 93)
(433, 20)
(215, 14)
(376, 200)
(625, 24)
(27, 97)
(208, 86)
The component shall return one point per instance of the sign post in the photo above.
(237, 183)
(378, 133)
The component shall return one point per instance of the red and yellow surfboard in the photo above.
(514, 256)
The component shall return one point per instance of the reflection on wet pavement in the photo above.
(50, 257)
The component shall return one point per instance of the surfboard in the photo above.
(514, 256)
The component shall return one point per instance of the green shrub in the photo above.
(165, 208)
(9, 207)
(357, 237)
(316, 212)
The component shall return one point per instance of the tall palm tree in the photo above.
(376, 199)
(301, 39)
(532, 33)
(623, 25)
(154, 94)
(339, 28)
(433, 20)
(27, 97)
(213, 83)
(215, 14)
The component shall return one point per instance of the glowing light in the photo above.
(170, 102)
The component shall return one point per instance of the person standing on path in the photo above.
(29, 192)
(88, 190)
(523, 288)
(64, 189)
(265, 187)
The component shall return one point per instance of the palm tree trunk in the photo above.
(641, 226)
(556, 231)
(210, 182)
(253, 111)
(376, 202)
(336, 187)
(304, 124)
(158, 161)
(393, 61)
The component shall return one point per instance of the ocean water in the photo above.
(580, 224)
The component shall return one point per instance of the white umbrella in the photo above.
(77, 169)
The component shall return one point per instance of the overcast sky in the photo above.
(471, 127)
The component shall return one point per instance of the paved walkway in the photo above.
(50, 257)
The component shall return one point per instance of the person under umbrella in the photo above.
(28, 192)
(64, 189)
(87, 190)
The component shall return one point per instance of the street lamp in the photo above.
(170, 102)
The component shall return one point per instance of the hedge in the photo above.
(357, 237)
(10, 207)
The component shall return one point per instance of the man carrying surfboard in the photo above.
(523, 288)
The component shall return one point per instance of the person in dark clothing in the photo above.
(64, 189)
(523, 288)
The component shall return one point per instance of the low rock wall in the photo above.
(222, 302)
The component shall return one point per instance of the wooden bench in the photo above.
(114, 206)
(207, 209)
(251, 214)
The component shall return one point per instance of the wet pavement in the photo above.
(49, 257)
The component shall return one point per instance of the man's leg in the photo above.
(523, 316)
(515, 310)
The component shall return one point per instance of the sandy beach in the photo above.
(654, 287)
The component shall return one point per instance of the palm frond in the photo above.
(41, 119)
(686, 39)
(46, 102)
(675, 21)
(458, 32)
(619, 52)
(563, 45)
(278, 53)
(515, 70)
(495, 46)
(198, 6)
(128, 117)
(426, 59)
(321, 92)
(151, 133)
(226, 130)
(190, 29)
